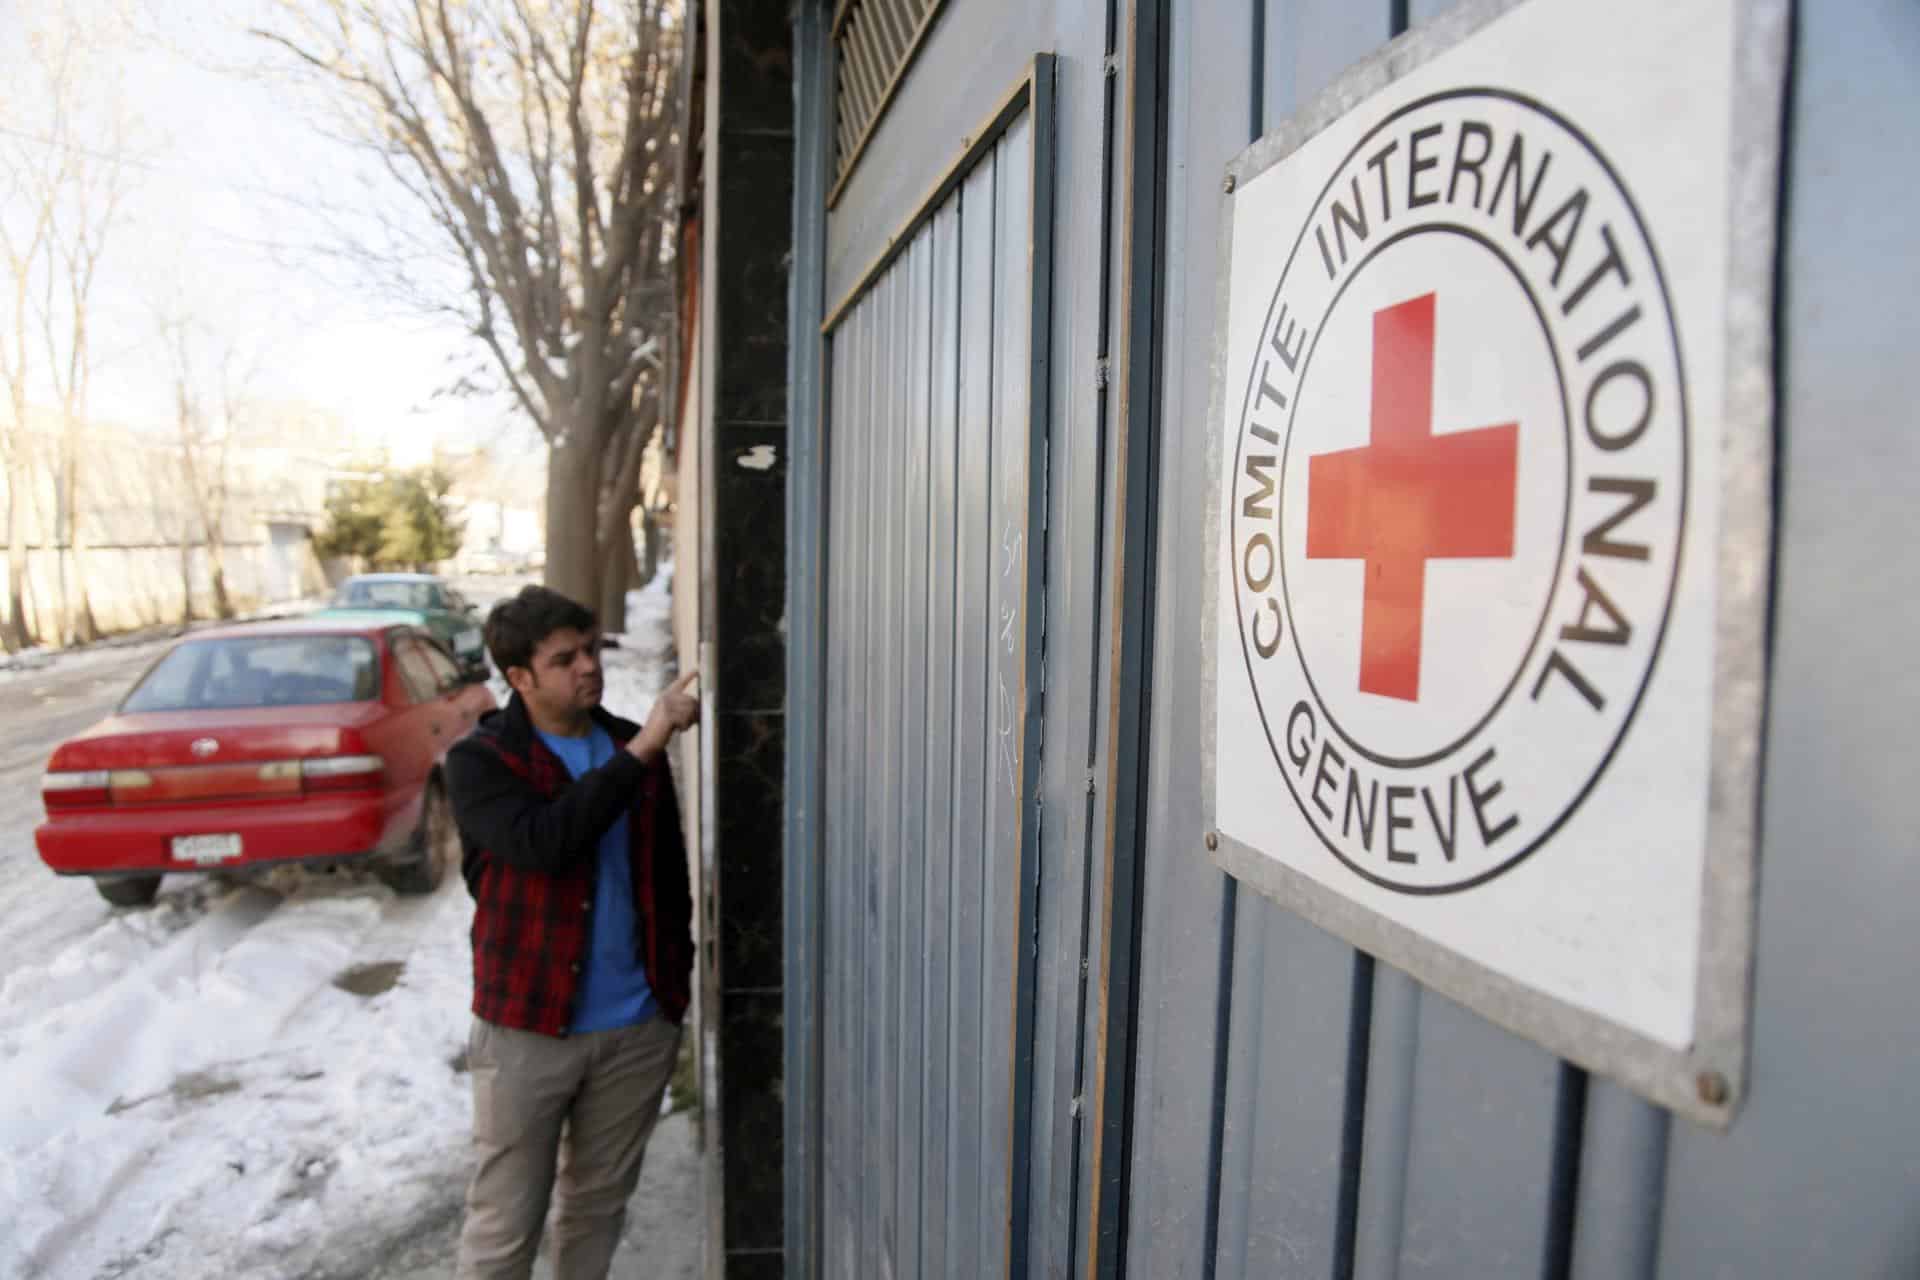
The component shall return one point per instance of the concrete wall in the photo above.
(143, 586)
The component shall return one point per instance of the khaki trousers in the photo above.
(568, 1115)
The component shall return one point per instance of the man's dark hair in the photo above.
(517, 625)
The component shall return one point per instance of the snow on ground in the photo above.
(265, 1079)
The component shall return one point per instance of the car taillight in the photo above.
(75, 790)
(341, 773)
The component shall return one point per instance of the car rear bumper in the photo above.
(140, 840)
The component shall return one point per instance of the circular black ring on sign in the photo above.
(1566, 496)
(1666, 613)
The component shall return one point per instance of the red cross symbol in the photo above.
(1407, 497)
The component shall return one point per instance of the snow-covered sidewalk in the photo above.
(269, 1080)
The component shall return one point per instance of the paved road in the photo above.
(41, 709)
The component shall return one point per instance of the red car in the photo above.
(308, 741)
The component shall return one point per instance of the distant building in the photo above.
(140, 527)
(501, 507)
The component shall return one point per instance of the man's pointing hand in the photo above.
(676, 709)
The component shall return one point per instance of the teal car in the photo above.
(420, 599)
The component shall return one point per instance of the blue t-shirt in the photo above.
(613, 981)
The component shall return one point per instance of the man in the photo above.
(582, 953)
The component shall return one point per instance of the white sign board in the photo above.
(1493, 421)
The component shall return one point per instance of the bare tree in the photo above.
(209, 406)
(71, 182)
(536, 137)
(35, 172)
(81, 230)
(31, 183)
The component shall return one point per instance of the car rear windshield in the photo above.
(388, 595)
(259, 671)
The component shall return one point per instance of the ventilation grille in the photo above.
(874, 42)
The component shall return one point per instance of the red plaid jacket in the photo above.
(530, 836)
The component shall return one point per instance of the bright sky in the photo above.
(230, 168)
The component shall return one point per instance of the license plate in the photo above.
(206, 849)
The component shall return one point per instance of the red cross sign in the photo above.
(1407, 497)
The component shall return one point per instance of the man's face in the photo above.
(564, 676)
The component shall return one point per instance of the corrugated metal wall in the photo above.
(975, 54)
(1362, 1123)
(931, 447)
(1295, 1109)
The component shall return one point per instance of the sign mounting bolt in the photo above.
(1713, 1088)
(1228, 183)
(1213, 839)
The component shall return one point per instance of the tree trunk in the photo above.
(62, 589)
(650, 548)
(186, 577)
(19, 631)
(217, 566)
(620, 566)
(76, 624)
(573, 490)
(619, 573)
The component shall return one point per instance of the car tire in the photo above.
(436, 844)
(129, 891)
